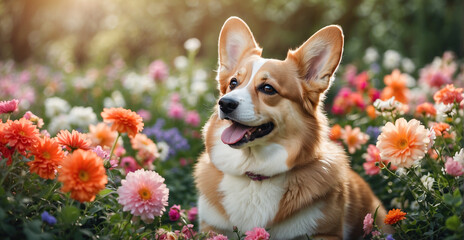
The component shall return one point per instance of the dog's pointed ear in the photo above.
(318, 58)
(235, 41)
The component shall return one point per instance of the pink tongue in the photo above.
(234, 133)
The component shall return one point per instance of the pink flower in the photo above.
(176, 110)
(188, 231)
(218, 237)
(100, 152)
(129, 164)
(368, 224)
(353, 138)
(257, 234)
(453, 168)
(146, 115)
(9, 106)
(144, 194)
(158, 70)
(192, 118)
(372, 157)
(34, 119)
(192, 214)
(174, 213)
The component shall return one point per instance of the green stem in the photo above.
(114, 146)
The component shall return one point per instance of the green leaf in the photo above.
(452, 223)
(457, 198)
(69, 214)
(105, 192)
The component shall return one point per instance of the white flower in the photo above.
(388, 105)
(55, 106)
(82, 116)
(443, 110)
(401, 171)
(200, 75)
(432, 137)
(116, 100)
(371, 55)
(180, 62)
(459, 157)
(408, 65)
(391, 59)
(192, 44)
(83, 82)
(59, 123)
(199, 87)
(138, 84)
(415, 206)
(428, 181)
(163, 149)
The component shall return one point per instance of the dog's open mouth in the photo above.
(238, 134)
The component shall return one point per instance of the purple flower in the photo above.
(389, 237)
(373, 132)
(49, 219)
(171, 136)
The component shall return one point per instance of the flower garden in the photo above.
(107, 151)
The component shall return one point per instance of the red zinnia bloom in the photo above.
(123, 120)
(394, 216)
(47, 156)
(20, 134)
(73, 141)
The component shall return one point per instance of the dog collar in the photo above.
(256, 177)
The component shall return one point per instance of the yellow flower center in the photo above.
(402, 143)
(46, 155)
(22, 133)
(352, 140)
(144, 193)
(84, 175)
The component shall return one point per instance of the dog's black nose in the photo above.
(228, 105)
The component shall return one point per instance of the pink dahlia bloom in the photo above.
(144, 194)
(257, 234)
(454, 168)
(9, 106)
(129, 164)
(368, 224)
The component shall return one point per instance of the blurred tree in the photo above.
(92, 32)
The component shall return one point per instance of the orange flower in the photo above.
(21, 135)
(449, 95)
(5, 151)
(371, 112)
(395, 87)
(404, 142)
(335, 132)
(73, 141)
(426, 109)
(82, 173)
(394, 216)
(47, 157)
(146, 147)
(101, 134)
(354, 138)
(123, 120)
(441, 129)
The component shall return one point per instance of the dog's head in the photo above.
(267, 101)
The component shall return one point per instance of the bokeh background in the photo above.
(91, 33)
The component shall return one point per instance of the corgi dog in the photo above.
(268, 160)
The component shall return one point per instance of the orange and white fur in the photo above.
(268, 160)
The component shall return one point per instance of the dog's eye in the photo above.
(267, 89)
(233, 83)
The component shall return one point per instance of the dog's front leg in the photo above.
(326, 237)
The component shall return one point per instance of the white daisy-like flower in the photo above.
(391, 59)
(371, 55)
(408, 65)
(192, 44)
(181, 62)
(459, 157)
(55, 106)
(58, 123)
(116, 100)
(163, 149)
